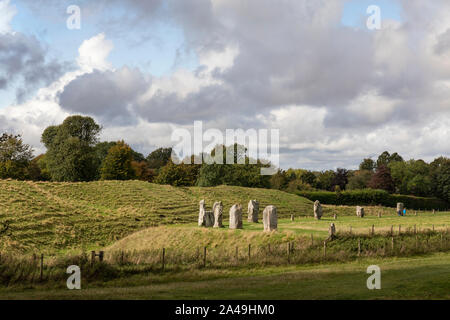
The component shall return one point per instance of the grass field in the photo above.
(52, 217)
(135, 220)
(423, 277)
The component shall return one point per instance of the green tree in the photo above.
(117, 164)
(159, 158)
(325, 180)
(178, 174)
(386, 158)
(367, 164)
(15, 157)
(70, 149)
(359, 180)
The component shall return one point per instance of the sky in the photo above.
(336, 91)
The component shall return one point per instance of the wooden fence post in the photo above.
(324, 248)
(433, 227)
(292, 217)
(41, 268)
(415, 230)
(392, 244)
(249, 251)
(92, 258)
(163, 259)
(101, 255)
(237, 253)
(204, 257)
(289, 252)
(359, 247)
(392, 230)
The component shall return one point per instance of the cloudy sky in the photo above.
(337, 91)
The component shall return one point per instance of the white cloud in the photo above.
(7, 13)
(93, 53)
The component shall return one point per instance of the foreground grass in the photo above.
(426, 277)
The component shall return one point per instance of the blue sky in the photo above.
(354, 13)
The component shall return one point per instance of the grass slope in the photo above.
(423, 277)
(62, 216)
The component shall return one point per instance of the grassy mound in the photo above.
(60, 216)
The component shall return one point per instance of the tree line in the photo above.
(74, 153)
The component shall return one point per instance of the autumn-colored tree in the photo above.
(142, 171)
(382, 179)
(117, 164)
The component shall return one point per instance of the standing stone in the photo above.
(209, 219)
(253, 211)
(360, 212)
(332, 231)
(218, 214)
(201, 214)
(317, 210)
(270, 218)
(236, 217)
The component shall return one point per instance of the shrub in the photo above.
(373, 197)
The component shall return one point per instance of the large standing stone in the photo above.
(270, 218)
(201, 214)
(209, 219)
(360, 212)
(253, 211)
(218, 214)
(317, 210)
(236, 217)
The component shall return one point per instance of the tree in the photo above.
(70, 149)
(117, 164)
(37, 169)
(159, 158)
(341, 178)
(325, 180)
(15, 157)
(359, 180)
(440, 178)
(382, 180)
(386, 158)
(244, 175)
(367, 164)
(143, 171)
(308, 177)
(178, 174)
(101, 150)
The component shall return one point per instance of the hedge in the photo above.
(374, 197)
